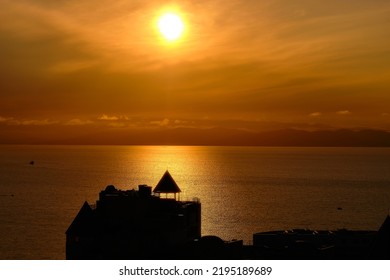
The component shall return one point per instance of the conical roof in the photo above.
(167, 184)
(82, 221)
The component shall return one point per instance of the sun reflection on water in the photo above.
(242, 190)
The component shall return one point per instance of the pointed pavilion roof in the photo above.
(167, 184)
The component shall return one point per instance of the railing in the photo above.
(186, 199)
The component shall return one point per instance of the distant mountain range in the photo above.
(213, 137)
(233, 137)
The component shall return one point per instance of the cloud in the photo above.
(272, 59)
(41, 122)
(108, 118)
(72, 66)
(28, 122)
(315, 114)
(343, 112)
(105, 117)
(164, 122)
(78, 122)
(181, 122)
(37, 122)
(5, 120)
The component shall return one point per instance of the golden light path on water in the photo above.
(256, 190)
(242, 190)
(187, 165)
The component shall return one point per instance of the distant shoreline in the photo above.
(218, 137)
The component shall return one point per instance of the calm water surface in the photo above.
(243, 190)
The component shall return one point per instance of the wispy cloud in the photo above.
(37, 122)
(259, 59)
(27, 122)
(164, 122)
(72, 66)
(315, 114)
(108, 118)
(343, 112)
(5, 120)
(105, 117)
(78, 122)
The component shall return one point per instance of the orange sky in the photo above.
(249, 65)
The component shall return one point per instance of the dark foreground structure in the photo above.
(146, 224)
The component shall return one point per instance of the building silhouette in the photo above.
(146, 224)
(135, 224)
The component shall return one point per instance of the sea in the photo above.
(243, 190)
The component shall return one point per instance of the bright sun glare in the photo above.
(171, 26)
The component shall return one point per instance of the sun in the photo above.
(171, 26)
